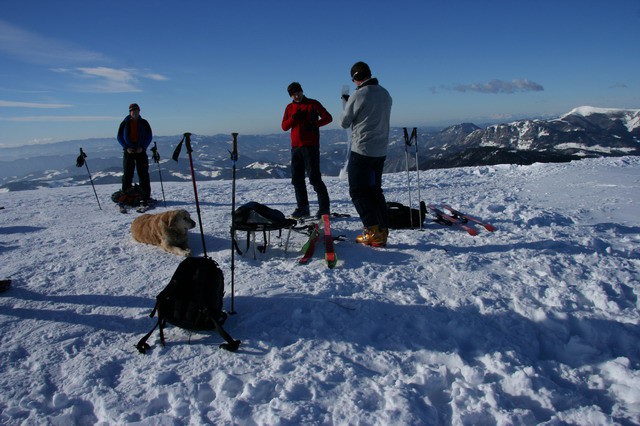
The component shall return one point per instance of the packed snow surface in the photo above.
(535, 323)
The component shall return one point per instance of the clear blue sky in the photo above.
(69, 69)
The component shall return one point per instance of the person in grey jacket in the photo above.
(368, 113)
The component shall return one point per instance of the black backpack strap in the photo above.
(142, 345)
(237, 247)
(231, 345)
(263, 248)
(162, 323)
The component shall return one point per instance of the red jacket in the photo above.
(304, 118)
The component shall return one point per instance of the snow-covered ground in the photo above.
(536, 323)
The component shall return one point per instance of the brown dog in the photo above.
(168, 230)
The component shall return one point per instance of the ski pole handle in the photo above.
(187, 142)
(407, 140)
(155, 156)
(80, 160)
(234, 147)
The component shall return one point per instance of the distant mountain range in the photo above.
(583, 132)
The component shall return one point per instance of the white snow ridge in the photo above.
(536, 323)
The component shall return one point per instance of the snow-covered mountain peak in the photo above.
(629, 117)
(586, 111)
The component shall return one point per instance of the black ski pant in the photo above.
(365, 189)
(307, 159)
(138, 162)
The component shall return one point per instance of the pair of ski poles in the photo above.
(408, 141)
(81, 161)
(234, 158)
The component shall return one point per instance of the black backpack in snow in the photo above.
(193, 300)
(403, 217)
(253, 216)
(131, 197)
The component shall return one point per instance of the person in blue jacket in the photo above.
(135, 135)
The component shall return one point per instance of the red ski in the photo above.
(445, 219)
(466, 218)
(329, 253)
(310, 245)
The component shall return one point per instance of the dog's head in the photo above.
(181, 219)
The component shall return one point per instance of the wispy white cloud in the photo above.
(618, 86)
(156, 77)
(65, 57)
(14, 104)
(55, 118)
(501, 86)
(495, 87)
(33, 48)
(110, 80)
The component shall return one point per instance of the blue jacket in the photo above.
(144, 134)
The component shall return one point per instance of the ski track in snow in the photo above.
(536, 323)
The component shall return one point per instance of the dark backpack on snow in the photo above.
(404, 217)
(253, 216)
(193, 300)
(131, 197)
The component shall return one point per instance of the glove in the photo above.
(299, 115)
(345, 98)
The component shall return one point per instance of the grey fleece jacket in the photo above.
(368, 112)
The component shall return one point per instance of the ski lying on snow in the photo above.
(309, 247)
(329, 252)
(151, 204)
(307, 219)
(140, 209)
(444, 219)
(466, 218)
(143, 209)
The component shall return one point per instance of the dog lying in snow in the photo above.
(168, 230)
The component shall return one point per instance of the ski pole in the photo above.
(156, 159)
(414, 136)
(80, 161)
(234, 159)
(407, 142)
(187, 142)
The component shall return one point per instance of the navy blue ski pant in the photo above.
(365, 189)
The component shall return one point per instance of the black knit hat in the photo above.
(294, 88)
(134, 106)
(360, 71)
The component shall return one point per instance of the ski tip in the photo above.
(490, 228)
(472, 232)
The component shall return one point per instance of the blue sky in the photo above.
(69, 69)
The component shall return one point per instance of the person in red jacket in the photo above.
(304, 117)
